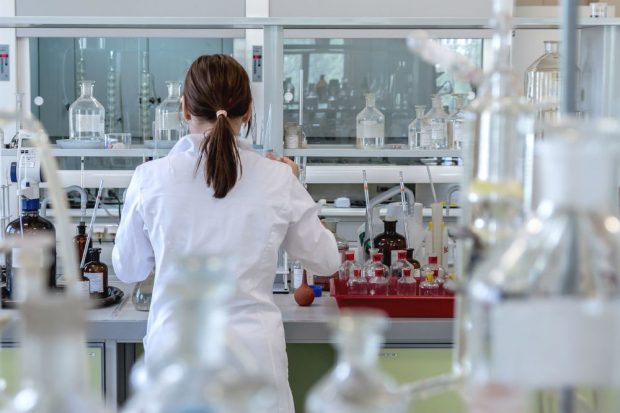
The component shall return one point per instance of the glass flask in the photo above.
(143, 292)
(458, 124)
(378, 283)
(389, 240)
(429, 286)
(343, 246)
(357, 285)
(86, 115)
(415, 130)
(407, 285)
(396, 271)
(53, 355)
(370, 126)
(356, 384)
(542, 83)
(168, 122)
(191, 372)
(376, 261)
(437, 121)
(347, 267)
(557, 281)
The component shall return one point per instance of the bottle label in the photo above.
(89, 123)
(562, 342)
(84, 288)
(298, 274)
(171, 121)
(425, 137)
(96, 281)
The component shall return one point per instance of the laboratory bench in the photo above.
(114, 333)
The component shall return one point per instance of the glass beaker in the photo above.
(416, 140)
(437, 121)
(168, 122)
(370, 126)
(356, 384)
(86, 115)
(542, 83)
(143, 293)
(557, 281)
(190, 372)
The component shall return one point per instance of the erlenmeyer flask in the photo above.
(356, 384)
(190, 372)
(544, 310)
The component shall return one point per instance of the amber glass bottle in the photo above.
(80, 241)
(31, 223)
(389, 240)
(97, 273)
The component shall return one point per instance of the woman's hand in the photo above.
(285, 160)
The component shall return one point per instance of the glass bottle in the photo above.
(416, 140)
(80, 241)
(345, 272)
(191, 370)
(97, 273)
(343, 247)
(396, 271)
(86, 115)
(357, 285)
(168, 122)
(356, 383)
(376, 261)
(407, 285)
(557, 280)
(458, 124)
(370, 126)
(389, 240)
(378, 283)
(429, 286)
(53, 355)
(297, 270)
(143, 293)
(434, 268)
(437, 122)
(542, 82)
(31, 223)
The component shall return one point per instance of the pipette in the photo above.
(368, 211)
(403, 203)
(92, 223)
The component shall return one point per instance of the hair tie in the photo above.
(221, 112)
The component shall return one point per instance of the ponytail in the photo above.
(223, 164)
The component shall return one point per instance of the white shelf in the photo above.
(134, 152)
(349, 151)
(381, 174)
(353, 212)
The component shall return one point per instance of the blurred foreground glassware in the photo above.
(190, 372)
(86, 115)
(370, 126)
(557, 281)
(542, 83)
(143, 293)
(356, 384)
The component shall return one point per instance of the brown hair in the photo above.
(218, 83)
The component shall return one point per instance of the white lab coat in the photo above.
(169, 212)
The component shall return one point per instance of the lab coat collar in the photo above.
(191, 143)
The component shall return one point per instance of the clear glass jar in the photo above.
(168, 122)
(143, 293)
(407, 285)
(396, 270)
(378, 283)
(357, 285)
(429, 285)
(370, 126)
(375, 261)
(356, 384)
(191, 372)
(557, 281)
(415, 129)
(86, 115)
(542, 82)
(437, 123)
(458, 124)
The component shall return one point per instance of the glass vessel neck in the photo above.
(552, 46)
(389, 227)
(359, 350)
(437, 104)
(370, 100)
(86, 88)
(174, 90)
(419, 111)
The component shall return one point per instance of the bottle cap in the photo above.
(377, 256)
(318, 291)
(402, 255)
(378, 272)
(406, 272)
(432, 259)
(349, 255)
(390, 218)
(357, 273)
(30, 204)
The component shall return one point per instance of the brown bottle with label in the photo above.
(389, 240)
(80, 241)
(97, 274)
(31, 223)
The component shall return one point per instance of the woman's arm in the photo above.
(306, 239)
(133, 256)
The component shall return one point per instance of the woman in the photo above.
(211, 195)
